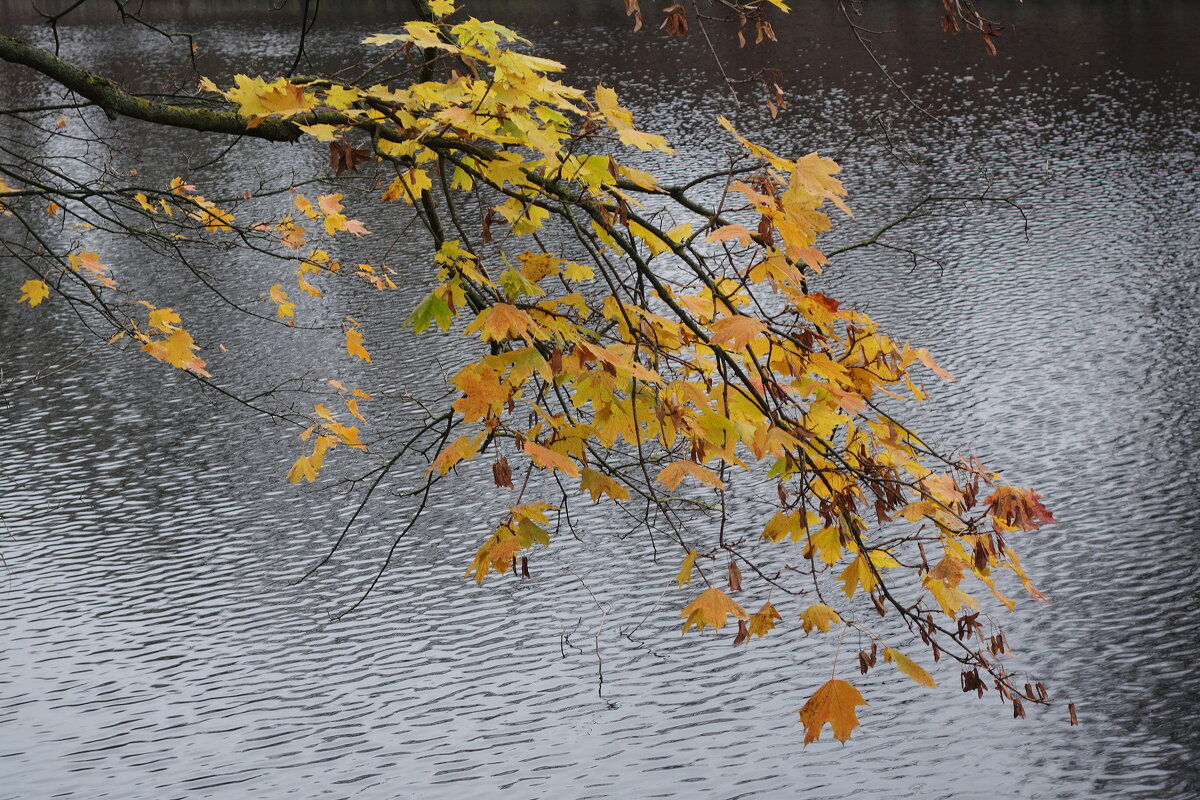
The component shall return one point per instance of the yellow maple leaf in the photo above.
(285, 98)
(33, 292)
(302, 470)
(463, 448)
(338, 96)
(499, 322)
(833, 703)
(827, 544)
(710, 609)
(535, 266)
(178, 350)
(813, 174)
(322, 133)
(495, 555)
(685, 571)
(165, 319)
(785, 526)
(764, 620)
(354, 345)
(859, 573)
(949, 596)
(909, 667)
(284, 309)
(820, 617)
(596, 484)
(347, 433)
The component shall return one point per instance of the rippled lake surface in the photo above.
(155, 643)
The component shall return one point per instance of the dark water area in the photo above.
(155, 644)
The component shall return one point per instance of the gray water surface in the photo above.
(155, 644)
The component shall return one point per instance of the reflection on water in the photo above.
(154, 644)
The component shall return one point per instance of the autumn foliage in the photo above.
(692, 347)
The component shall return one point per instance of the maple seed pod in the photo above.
(735, 577)
(1018, 709)
(1071, 711)
(502, 473)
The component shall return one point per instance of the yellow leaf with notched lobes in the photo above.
(673, 474)
(711, 609)
(909, 667)
(354, 345)
(535, 266)
(643, 141)
(322, 133)
(347, 434)
(464, 448)
(833, 703)
(685, 571)
(826, 544)
(302, 470)
(499, 322)
(785, 526)
(178, 350)
(860, 572)
(596, 484)
(948, 596)
(764, 620)
(33, 292)
(285, 98)
(820, 617)
(284, 309)
(352, 407)
(165, 319)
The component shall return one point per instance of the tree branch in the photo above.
(114, 100)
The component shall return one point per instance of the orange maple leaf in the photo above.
(736, 331)
(673, 474)
(550, 459)
(833, 703)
